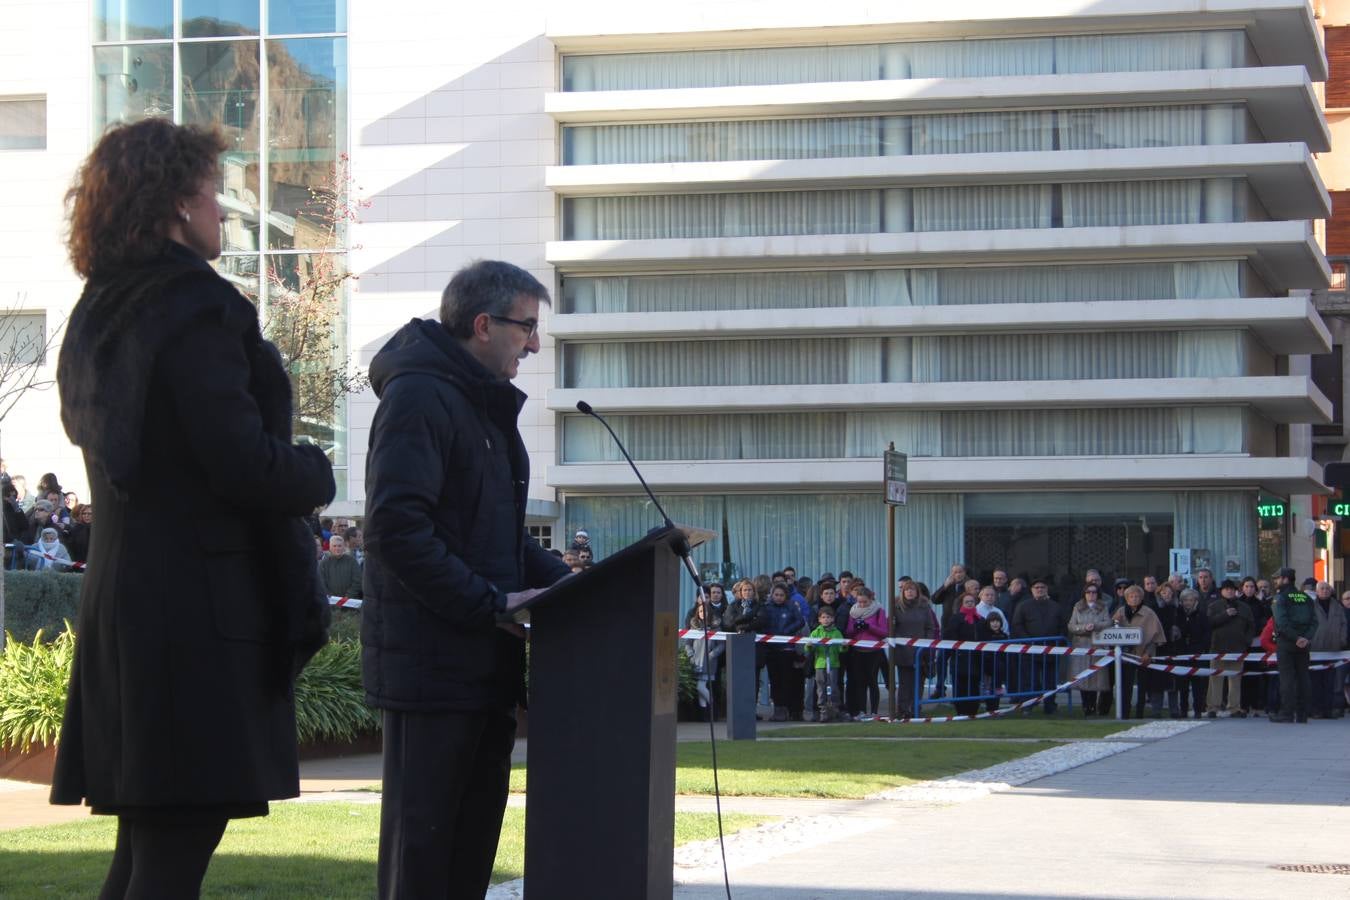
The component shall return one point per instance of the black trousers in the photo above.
(785, 680)
(1295, 679)
(160, 859)
(446, 776)
(861, 693)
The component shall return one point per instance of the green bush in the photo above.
(40, 601)
(33, 680)
(329, 699)
(346, 625)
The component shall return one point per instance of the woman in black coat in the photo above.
(965, 624)
(180, 713)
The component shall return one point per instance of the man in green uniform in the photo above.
(1295, 624)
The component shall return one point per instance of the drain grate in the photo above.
(1320, 869)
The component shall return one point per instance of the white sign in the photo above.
(897, 492)
(1118, 637)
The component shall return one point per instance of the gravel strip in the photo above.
(982, 782)
(1156, 731)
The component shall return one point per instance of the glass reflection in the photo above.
(307, 138)
(220, 87)
(219, 18)
(132, 83)
(132, 20)
(242, 272)
(310, 17)
(305, 316)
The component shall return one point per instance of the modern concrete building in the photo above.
(1060, 252)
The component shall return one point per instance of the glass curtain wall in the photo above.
(1185, 201)
(272, 76)
(1008, 131)
(979, 58)
(816, 533)
(950, 286)
(989, 434)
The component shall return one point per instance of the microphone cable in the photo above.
(685, 552)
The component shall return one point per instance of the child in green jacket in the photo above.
(827, 665)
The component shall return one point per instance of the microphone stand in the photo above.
(680, 545)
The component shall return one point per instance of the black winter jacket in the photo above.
(446, 482)
(1035, 618)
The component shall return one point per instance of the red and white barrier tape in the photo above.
(344, 602)
(981, 646)
(1104, 660)
(1336, 660)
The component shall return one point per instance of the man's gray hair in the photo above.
(485, 286)
(1190, 594)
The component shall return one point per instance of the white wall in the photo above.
(45, 51)
(449, 144)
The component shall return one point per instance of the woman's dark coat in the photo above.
(191, 625)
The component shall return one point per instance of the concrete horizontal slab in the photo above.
(1285, 325)
(1282, 31)
(1284, 176)
(1280, 398)
(1280, 98)
(1285, 254)
(1281, 476)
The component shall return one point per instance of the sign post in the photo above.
(895, 475)
(1118, 638)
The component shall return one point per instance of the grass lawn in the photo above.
(827, 768)
(310, 851)
(1035, 726)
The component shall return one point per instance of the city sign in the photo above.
(1271, 510)
(1340, 508)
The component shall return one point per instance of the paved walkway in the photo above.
(1201, 815)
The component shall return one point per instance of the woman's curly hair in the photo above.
(127, 191)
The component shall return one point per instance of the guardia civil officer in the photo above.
(1295, 624)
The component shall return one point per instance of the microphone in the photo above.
(681, 544)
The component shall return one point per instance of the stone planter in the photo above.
(35, 765)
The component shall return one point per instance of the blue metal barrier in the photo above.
(976, 676)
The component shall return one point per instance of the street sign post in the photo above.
(895, 481)
(1118, 638)
(896, 477)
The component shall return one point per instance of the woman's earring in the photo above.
(185, 217)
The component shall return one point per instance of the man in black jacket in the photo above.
(447, 561)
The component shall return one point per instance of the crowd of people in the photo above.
(44, 528)
(1177, 617)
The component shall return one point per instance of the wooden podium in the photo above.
(600, 807)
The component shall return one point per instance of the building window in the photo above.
(23, 123)
(543, 534)
(23, 338)
(272, 76)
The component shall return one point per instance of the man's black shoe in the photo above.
(1281, 717)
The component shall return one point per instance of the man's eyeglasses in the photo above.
(531, 326)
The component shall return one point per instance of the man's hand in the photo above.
(513, 603)
(1302, 643)
(1231, 611)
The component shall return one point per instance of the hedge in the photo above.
(40, 601)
